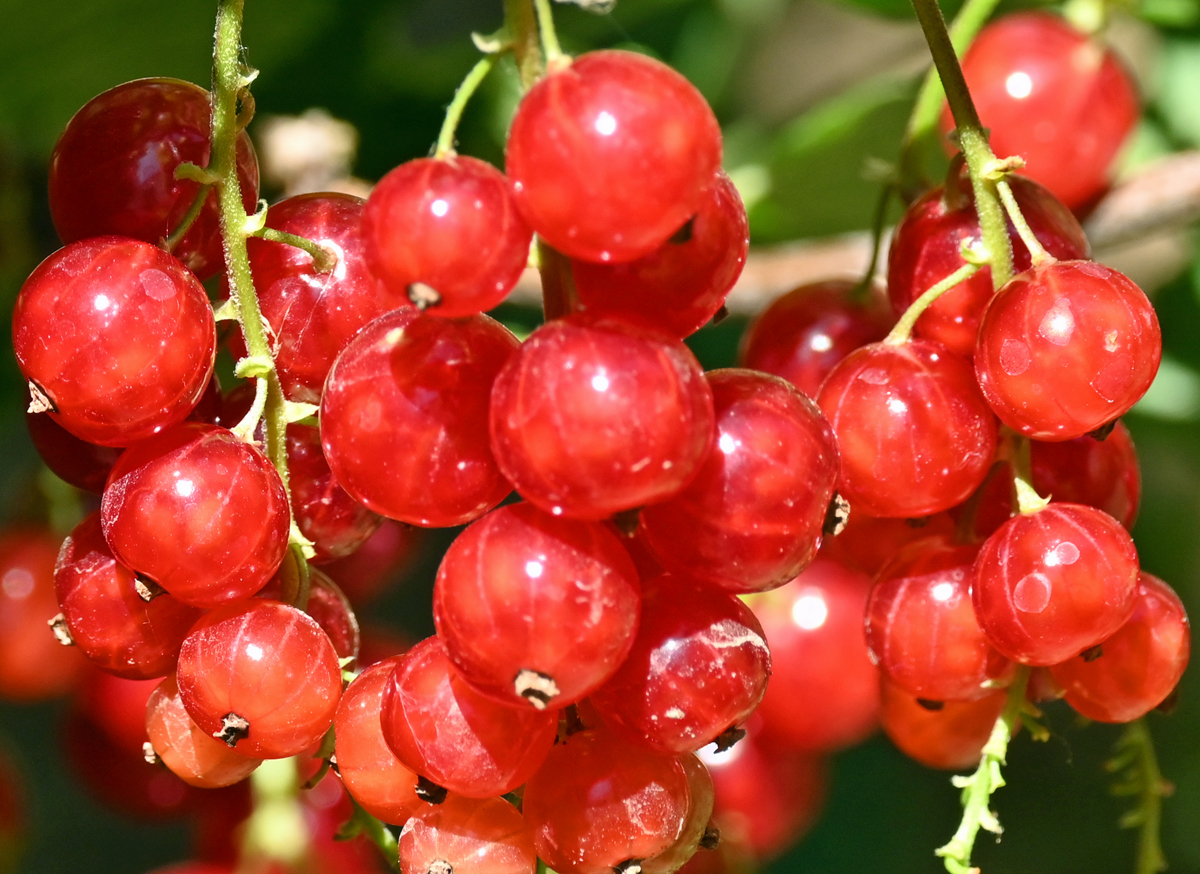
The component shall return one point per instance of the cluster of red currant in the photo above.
(590, 638)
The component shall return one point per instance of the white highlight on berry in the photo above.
(254, 651)
(600, 382)
(185, 488)
(942, 591)
(534, 569)
(810, 611)
(1018, 85)
(820, 343)
(606, 125)
(101, 302)
(439, 207)
(726, 443)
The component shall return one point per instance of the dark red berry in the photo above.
(950, 737)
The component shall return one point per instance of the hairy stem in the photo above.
(324, 260)
(904, 328)
(172, 239)
(1142, 778)
(445, 143)
(550, 46)
(520, 20)
(1037, 251)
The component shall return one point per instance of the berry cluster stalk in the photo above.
(1135, 757)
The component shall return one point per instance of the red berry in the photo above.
(446, 731)
(262, 675)
(950, 736)
(112, 623)
(1048, 585)
(867, 543)
(752, 518)
(327, 605)
(191, 753)
(683, 283)
(824, 690)
(921, 627)
(113, 169)
(698, 667)
(404, 417)
(386, 557)
(313, 314)
(379, 781)
(116, 706)
(534, 609)
(927, 247)
(451, 225)
(1066, 347)
(117, 337)
(1100, 473)
(1056, 97)
(611, 155)
(594, 416)
(597, 803)
(74, 461)
(468, 836)
(1135, 669)
(699, 816)
(914, 434)
(806, 332)
(199, 512)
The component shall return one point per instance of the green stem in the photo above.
(1135, 754)
(445, 142)
(324, 260)
(362, 823)
(903, 328)
(922, 123)
(978, 788)
(971, 139)
(172, 239)
(276, 828)
(861, 291)
(554, 53)
(1028, 499)
(1036, 250)
(520, 20)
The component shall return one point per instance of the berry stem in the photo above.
(901, 333)
(445, 142)
(1028, 499)
(861, 291)
(520, 20)
(1135, 756)
(978, 788)
(172, 239)
(559, 296)
(1036, 250)
(362, 823)
(922, 123)
(276, 829)
(324, 260)
(971, 139)
(554, 53)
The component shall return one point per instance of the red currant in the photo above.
(468, 836)
(948, 735)
(1100, 473)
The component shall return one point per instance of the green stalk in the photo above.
(1142, 778)
(445, 143)
(904, 328)
(520, 20)
(971, 138)
(324, 260)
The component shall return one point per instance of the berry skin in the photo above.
(373, 775)
(522, 598)
(74, 461)
(753, 516)
(806, 332)
(118, 336)
(110, 622)
(1100, 473)
(598, 802)
(199, 512)
(1066, 347)
(867, 543)
(927, 247)
(269, 664)
(1048, 585)
(189, 752)
(449, 733)
(683, 283)
(467, 836)
(404, 417)
(451, 225)
(700, 810)
(611, 155)
(1054, 96)
(914, 435)
(698, 667)
(594, 416)
(950, 737)
(1138, 666)
(314, 315)
(113, 169)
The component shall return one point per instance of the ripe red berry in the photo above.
(921, 627)
(118, 338)
(446, 731)
(824, 690)
(468, 836)
(914, 434)
(593, 416)
(683, 283)
(404, 417)
(379, 781)
(384, 559)
(598, 803)
(1066, 347)
(74, 461)
(1048, 585)
(191, 753)
(699, 817)
(611, 155)
(927, 247)
(806, 332)
(199, 512)
(536, 610)
(1057, 97)
(1100, 473)
(314, 314)
(950, 736)
(113, 169)
(867, 543)
(328, 607)
(1134, 670)
(111, 622)
(450, 225)
(262, 676)
(698, 667)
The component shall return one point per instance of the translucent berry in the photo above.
(611, 155)
(1100, 473)
(695, 828)
(950, 736)
(116, 338)
(867, 543)
(467, 836)
(74, 461)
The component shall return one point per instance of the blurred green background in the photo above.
(812, 94)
